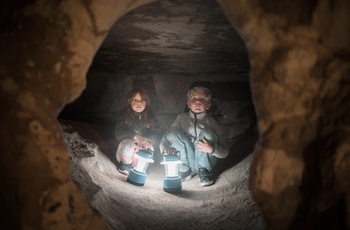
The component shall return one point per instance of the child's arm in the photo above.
(141, 141)
(205, 146)
(123, 131)
(154, 134)
(220, 148)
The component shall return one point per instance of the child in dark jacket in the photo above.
(197, 137)
(137, 128)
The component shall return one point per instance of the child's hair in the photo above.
(143, 93)
(206, 92)
(149, 116)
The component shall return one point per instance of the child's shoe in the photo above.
(205, 177)
(124, 168)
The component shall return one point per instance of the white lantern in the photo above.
(138, 174)
(172, 180)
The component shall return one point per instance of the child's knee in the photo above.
(127, 143)
(125, 150)
(173, 135)
(208, 134)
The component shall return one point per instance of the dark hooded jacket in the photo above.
(144, 124)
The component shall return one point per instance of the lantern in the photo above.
(172, 180)
(138, 174)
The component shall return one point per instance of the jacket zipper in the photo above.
(140, 122)
(195, 127)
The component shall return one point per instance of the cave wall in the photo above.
(299, 55)
(47, 48)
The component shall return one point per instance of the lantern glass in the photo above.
(171, 169)
(142, 160)
(141, 164)
(172, 180)
(138, 174)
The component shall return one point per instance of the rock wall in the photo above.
(299, 54)
(46, 50)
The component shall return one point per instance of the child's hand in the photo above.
(142, 142)
(204, 146)
(170, 151)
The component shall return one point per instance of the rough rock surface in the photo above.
(227, 204)
(299, 56)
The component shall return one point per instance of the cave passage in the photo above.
(165, 48)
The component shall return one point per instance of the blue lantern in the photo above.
(172, 180)
(138, 174)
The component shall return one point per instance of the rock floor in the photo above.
(225, 205)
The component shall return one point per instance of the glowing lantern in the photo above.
(172, 180)
(138, 174)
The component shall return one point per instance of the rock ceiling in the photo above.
(179, 37)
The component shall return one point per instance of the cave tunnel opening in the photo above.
(299, 75)
(166, 48)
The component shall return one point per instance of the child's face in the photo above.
(197, 103)
(137, 104)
